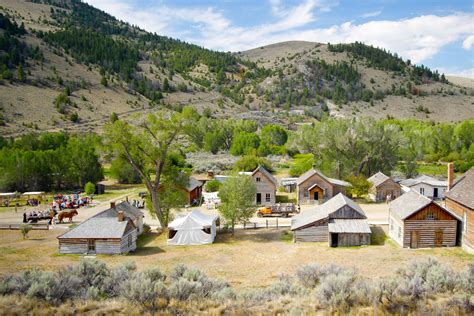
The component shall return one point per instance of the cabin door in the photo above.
(316, 196)
(438, 238)
(334, 240)
(415, 236)
(259, 198)
(435, 193)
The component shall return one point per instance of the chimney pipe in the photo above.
(112, 205)
(450, 175)
(120, 216)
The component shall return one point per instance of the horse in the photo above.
(67, 214)
(35, 216)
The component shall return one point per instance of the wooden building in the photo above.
(416, 221)
(383, 187)
(194, 191)
(340, 222)
(266, 186)
(130, 211)
(100, 235)
(460, 200)
(315, 188)
(427, 186)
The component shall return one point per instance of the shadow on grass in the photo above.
(143, 245)
(254, 235)
(378, 236)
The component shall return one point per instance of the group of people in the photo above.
(73, 201)
(138, 204)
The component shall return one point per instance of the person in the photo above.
(52, 214)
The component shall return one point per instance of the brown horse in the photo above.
(66, 214)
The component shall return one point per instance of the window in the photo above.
(430, 216)
(257, 179)
(267, 197)
(422, 191)
(91, 245)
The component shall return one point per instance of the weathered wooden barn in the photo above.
(340, 222)
(266, 186)
(416, 221)
(313, 187)
(382, 187)
(100, 235)
(460, 200)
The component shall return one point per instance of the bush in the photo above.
(212, 186)
(250, 163)
(337, 291)
(89, 188)
(25, 229)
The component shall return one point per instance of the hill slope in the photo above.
(67, 65)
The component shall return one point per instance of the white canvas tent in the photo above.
(194, 228)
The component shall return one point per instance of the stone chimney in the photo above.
(120, 216)
(112, 205)
(450, 175)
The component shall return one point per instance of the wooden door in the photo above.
(415, 236)
(439, 238)
(259, 198)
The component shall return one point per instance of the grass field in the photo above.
(250, 258)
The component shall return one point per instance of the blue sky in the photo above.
(439, 34)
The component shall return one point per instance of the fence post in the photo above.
(244, 225)
(266, 223)
(277, 222)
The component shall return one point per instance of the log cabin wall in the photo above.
(346, 212)
(317, 232)
(352, 239)
(73, 246)
(467, 230)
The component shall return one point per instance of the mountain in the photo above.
(67, 65)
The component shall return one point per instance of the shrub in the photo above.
(25, 229)
(251, 162)
(212, 186)
(337, 291)
(89, 188)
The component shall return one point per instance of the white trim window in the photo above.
(268, 197)
(422, 191)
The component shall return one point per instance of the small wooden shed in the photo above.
(416, 221)
(340, 222)
(194, 191)
(382, 187)
(100, 235)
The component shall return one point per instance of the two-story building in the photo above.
(313, 187)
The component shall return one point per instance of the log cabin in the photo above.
(460, 200)
(416, 221)
(130, 211)
(100, 235)
(383, 187)
(313, 187)
(266, 186)
(340, 222)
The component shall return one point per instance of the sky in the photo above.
(438, 34)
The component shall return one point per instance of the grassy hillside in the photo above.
(67, 65)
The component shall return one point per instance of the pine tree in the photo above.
(21, 73)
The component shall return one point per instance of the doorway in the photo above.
(415, 236)
(334, 240)
(259, 198)
(438, 238)
(316, 196)
(435, 193)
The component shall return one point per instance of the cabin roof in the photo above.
(266, 173)
(308, 174)
(426, 180)
(129, 211)
(378, 178)
(360, 226)
(463, 189)
(323, 211)
(98, 228)
(193, 184)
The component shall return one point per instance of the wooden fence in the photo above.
(4, 226)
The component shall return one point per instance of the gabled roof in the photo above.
(463, 190)
(424, 179)
(411, 202)
(308, 174)
(129, 211)
(193, 184)
(266, 173)
(193, 220)
(99, 227)
(378, 178)
(323, 211)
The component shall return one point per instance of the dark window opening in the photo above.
(171, 233)
(207, 230)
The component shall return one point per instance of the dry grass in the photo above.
(251, 258)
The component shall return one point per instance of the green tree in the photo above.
(146, 147)
(113, 117)
(124, 172)
(212, 186)
(89, 188)
(237, 194)
(244, 143)
(21, 73)
(360, 186)
(250, 163)
(274, 135)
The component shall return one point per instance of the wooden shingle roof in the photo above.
(463, 190)
(308, 174)
(266, 173)
(378, 178)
